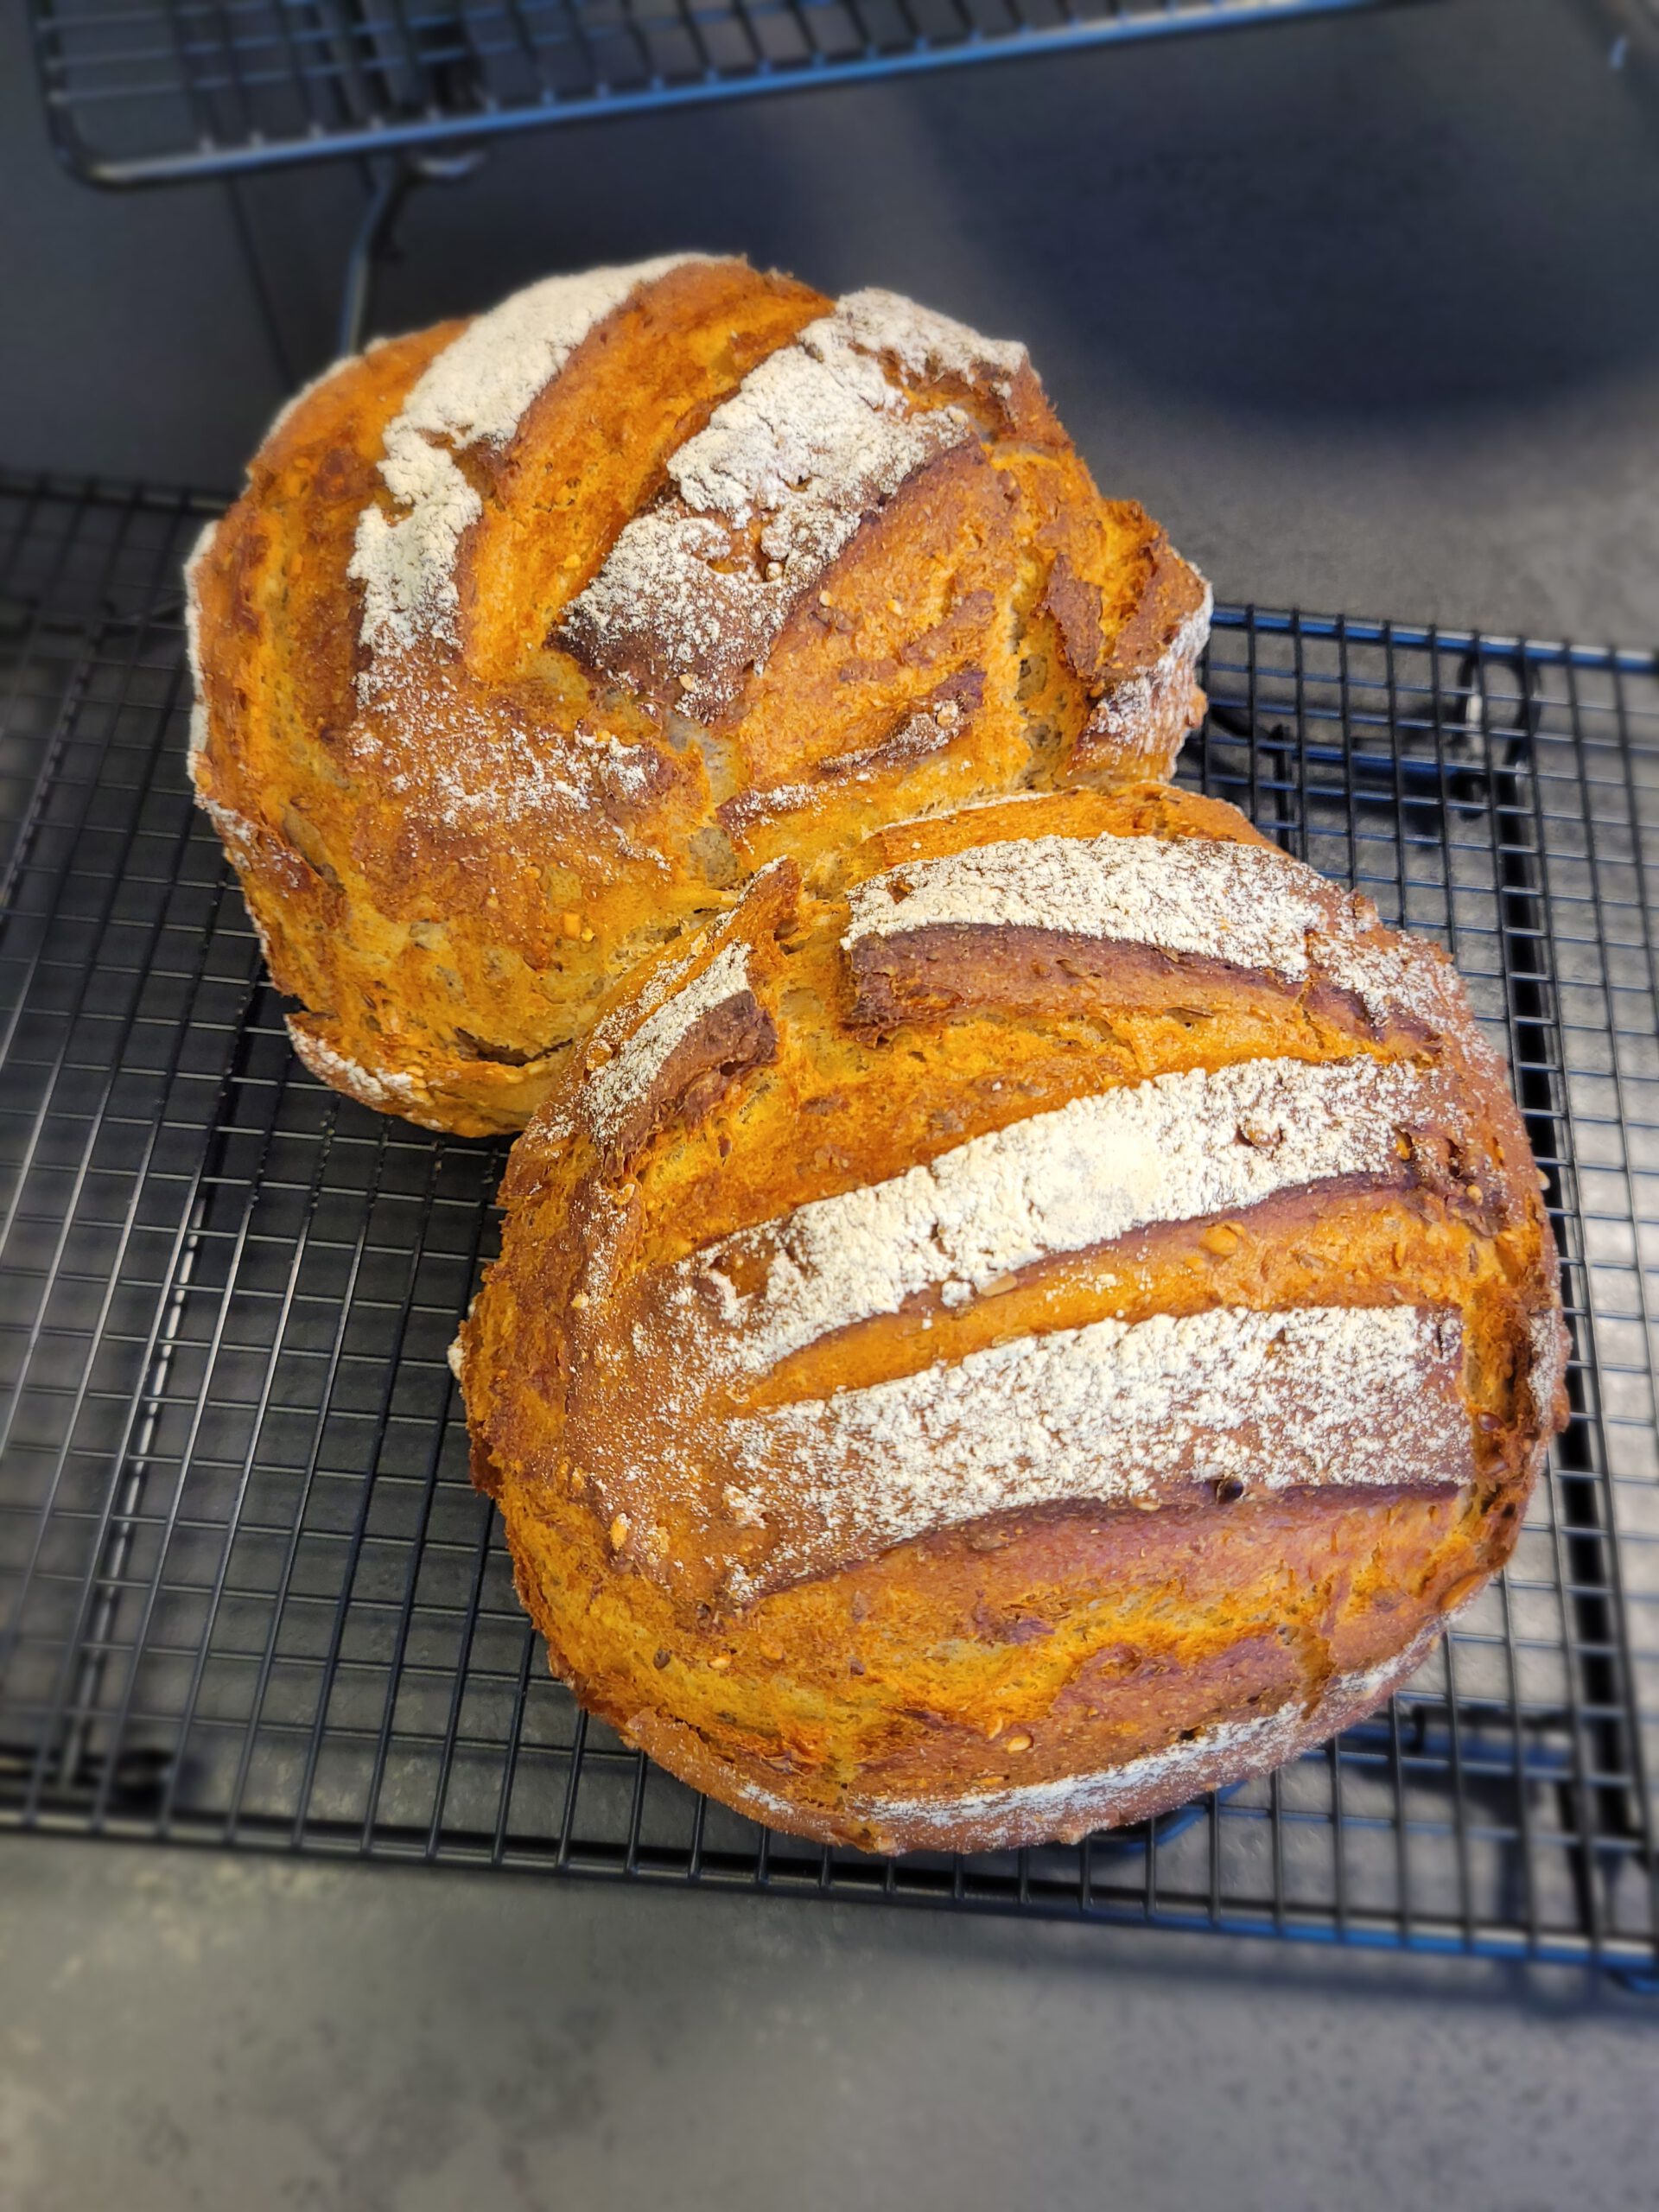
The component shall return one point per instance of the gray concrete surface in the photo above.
(185, 2031)
(1368, 311)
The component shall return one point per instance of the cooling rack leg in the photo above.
(392, 186)
(394, 179)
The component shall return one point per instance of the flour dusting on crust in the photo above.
(1113, 1414)
(926, 344)
(455, 765)
(475, 393)
(239, 833)
(623, 1081)
(1251, 906)
(1405, 977)
(388, 1089)
(764, 498)
(1134, 707)
(1247, 904)
(1178, 1148)
(1549, 1344)
(199, 553)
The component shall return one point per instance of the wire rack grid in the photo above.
(247, 1595)
(145, 92)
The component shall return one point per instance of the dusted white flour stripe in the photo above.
(1247, 904)
(622, 1082)
(808, 428)
(1115, 1413)
(1176, 1148)
(928, 344)
(813, 440)
(475, 393)
(1251, 906)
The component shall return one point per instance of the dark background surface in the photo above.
(1368, 313)
(1366, 309)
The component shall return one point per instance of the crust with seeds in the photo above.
(1012, 1407)
(532, 637)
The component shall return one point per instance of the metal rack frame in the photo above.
(157, 91)
(152, 91)
(247, 1596)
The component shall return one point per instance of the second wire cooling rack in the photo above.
(247, 1596)
(149, 91)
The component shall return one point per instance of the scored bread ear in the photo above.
(682, 1032)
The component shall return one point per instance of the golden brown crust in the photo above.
(454, 849)
(913, 1680)
(734, 1595)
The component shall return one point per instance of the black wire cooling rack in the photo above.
(246, 1594)
(142, 91)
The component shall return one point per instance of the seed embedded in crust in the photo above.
(619, 1532)
(1019, 1741)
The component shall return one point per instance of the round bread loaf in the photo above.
(1043, 1328)
(532, 637)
